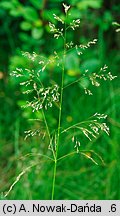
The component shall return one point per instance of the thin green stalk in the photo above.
(43, 113)
(46, 124)
(72, 83)
(67, 155)
(54, 178)
(60, 113)
(51, 146)
(34, 155)
(77, 124)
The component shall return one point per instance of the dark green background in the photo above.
(24, 27)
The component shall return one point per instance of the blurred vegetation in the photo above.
(24, 27)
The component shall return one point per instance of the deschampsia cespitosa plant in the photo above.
(42, 98)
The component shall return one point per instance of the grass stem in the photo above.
(60, 114)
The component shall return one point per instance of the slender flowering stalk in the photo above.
(60, 111)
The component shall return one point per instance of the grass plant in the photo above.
(42, 98)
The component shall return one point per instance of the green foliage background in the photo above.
(24, 26)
